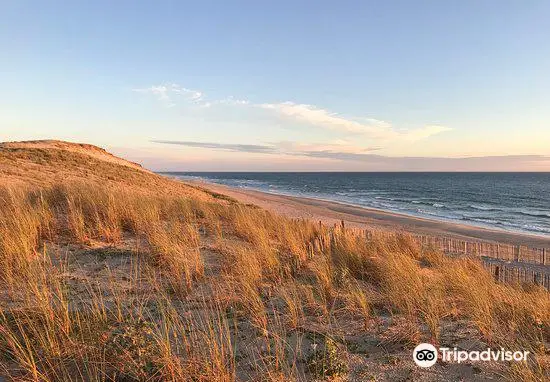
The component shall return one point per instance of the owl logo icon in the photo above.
(425, 355)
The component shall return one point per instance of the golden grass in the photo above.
(175, 248)
(276, 276)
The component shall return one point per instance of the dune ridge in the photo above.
(81, 148)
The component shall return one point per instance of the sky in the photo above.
(285, 85)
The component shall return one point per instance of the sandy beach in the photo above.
(332, 212)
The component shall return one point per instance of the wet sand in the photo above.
(334, 212)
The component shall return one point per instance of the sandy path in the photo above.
(332, 212)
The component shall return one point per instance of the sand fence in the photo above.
(507, 262)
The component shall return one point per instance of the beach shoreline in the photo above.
(331, 212)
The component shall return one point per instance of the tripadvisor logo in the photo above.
(425, 355)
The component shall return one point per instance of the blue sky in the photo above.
(287, 85)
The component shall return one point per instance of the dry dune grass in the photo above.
(210, 290)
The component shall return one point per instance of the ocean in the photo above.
(518, 202)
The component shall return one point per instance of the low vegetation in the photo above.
(106, 282)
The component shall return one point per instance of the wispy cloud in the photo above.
(319, 117)
(328, 151)
(371, 127)
(380, 162)
(301, 113)
(224, 146)
(167, 94)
